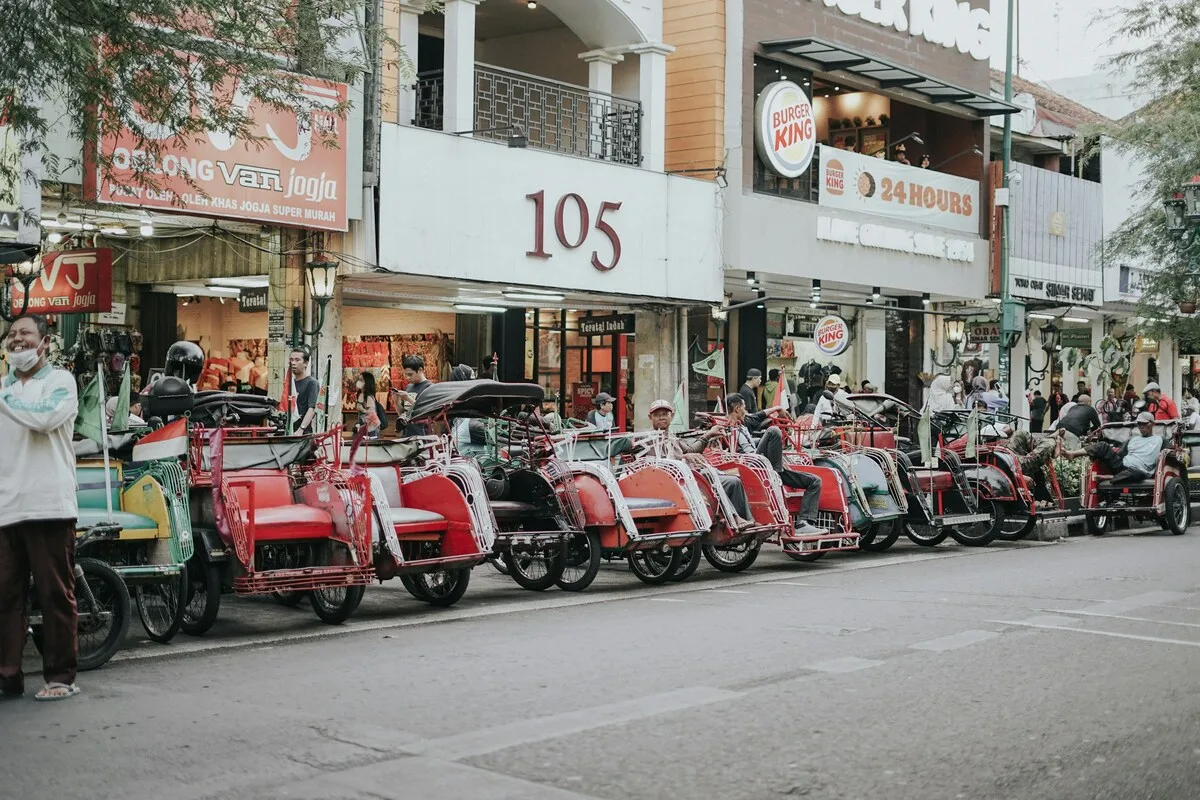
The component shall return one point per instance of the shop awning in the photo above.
(833, 57)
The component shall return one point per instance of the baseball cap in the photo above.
(602, 398)
(1152, 387)
(661, 405)
(834, 379)
(1145, 416)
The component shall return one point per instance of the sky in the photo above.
(1058, 38)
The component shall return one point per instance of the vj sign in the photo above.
(584, 229)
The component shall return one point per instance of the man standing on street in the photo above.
(38, 509)
(305, 390)
(1113, 408)
(749, 390)
(1158, 404)
(1037, 412)
(414, 373)
(1056, 401)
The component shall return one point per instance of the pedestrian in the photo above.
(601, 417)
(1081, 387)
(994, 397)
(1161, 406)
(305, 390)
(979, 387)
(414, 373)
(1037, 412)
(771, 387)
(38, 509)
(368, 406)
(1112, 408)
(1130, 397)
(825, 408)
(548, 412)
(749, 390)
(1078, 421)
(1056, 400)
(941, 396)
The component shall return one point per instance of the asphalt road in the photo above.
(1057, 671)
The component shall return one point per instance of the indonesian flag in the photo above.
(169, 441)
(782, 397)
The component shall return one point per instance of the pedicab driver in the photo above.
(661, 414)
(38, 509)
(1135, 460)
(770, 446)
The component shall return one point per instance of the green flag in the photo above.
(87, 424)
(925, 435)
(120, 420)
(712, 365)
(679, 423)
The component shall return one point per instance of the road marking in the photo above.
(790, 583)
(539, 729)
(1132, 636)
(1048, 619)
(1134, 602)
(727, 591)
(841, 665)
(955, 642)
(665, 600)
(1134, 619)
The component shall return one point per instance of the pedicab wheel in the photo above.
(442, 588)
(288, 599)
(160, 606)
(805, 557)
(925, 535)
(1178, 508)
(582, 563)
(654, 566)
(335, 605)
(536, 571)
(881, 536)
(103, 609)
(414, 588)
(499, 565)
(689, 562)
(981, 534)
(1016, 527)
(1097, 524)
(203, 598)
(733, 559)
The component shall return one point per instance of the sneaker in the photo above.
(807, 527)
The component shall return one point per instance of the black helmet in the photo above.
(185, 360)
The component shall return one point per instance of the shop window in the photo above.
(766, 72)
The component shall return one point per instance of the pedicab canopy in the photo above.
(480, 398)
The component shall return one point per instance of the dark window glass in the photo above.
(766, 72)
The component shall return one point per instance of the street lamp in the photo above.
(956, 334)
(321, 277)
(25, 272)
(1051, 343)
(1176, 214)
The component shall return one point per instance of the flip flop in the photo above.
(70, 691)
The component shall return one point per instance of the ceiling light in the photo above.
(54, 238)
(248, 282)
(481, 309)
(532, 291)
(837, 88)
(751, 277)
(535, 298)
(113, 230)
(185, 294)
(816, 285)
(147, 228)
(812, 304)
(1037, 315)
(925, 298)
(61, 219)
(227, 291)
(531, 4)
(875, 292)
(1080, 320)
(870, 301)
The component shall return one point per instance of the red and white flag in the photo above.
(169, 441)
(782, 397)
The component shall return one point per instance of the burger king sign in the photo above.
(786, 128)
(832, 335)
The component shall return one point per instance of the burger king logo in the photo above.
(835, 177)
(786, 128)
(832, 335)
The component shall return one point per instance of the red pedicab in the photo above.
(1162, 496)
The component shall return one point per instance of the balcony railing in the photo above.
(552, 115)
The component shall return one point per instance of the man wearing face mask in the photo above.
(38, 404)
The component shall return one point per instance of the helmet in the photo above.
(185, 360)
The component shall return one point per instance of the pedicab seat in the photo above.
(407, 521)
(131, 523)
(942, 480)
(277, 516)
(511, 509)
(640, 507)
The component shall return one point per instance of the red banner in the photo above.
(286, 174)
(72, 282)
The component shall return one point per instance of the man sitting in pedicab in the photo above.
(1136, 460)
(661, 415)
(770, 446)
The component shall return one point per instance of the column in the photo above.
(458, 101)
(658, 367)
(1096, 376)
(1018, 403)
(652, 92)
(285, 293)
(600, 64)
(1168, 368)
(406, 102)
(328, 353)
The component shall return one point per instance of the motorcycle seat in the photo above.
(290, 522)
(650, 507)
(941, 480)
(510, 509)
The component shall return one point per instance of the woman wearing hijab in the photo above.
(979, 387)
(941, 394)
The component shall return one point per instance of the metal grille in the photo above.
(552, 115)
(171, 477)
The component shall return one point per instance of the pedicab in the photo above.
(1162, 497)
(269, 516)
(646, 511)
(942, 501)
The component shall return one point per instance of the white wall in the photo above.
(456, 207)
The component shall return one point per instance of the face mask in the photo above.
(359, 385)
(24, 360)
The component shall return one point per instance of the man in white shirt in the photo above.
(825, 407)
(38, 509)
(1137, 459)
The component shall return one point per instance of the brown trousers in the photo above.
(46, 550)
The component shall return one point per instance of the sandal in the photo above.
(57, 691)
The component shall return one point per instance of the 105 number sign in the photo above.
(581, 231)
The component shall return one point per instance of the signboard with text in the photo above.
(253, 300)
(606, 326)
(289, 173)
(71, 282)
(785, 129)
(983, 332)
(854, 182)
